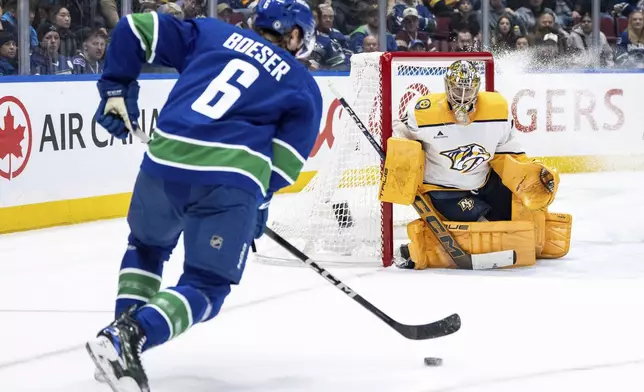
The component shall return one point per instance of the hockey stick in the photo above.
(437, 329)
(422, 205)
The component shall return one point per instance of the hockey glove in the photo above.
(118, 111)
(262, 216)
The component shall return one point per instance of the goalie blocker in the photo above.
(513, 201)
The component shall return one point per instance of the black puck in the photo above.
(433, 361)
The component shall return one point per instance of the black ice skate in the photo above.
(402, 258)
(117, 354)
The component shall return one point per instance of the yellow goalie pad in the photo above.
(552, 230)
(403, 172)
(524, 178)
(475, 238)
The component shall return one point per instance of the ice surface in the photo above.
(566, 325)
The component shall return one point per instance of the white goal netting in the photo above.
(337, 218)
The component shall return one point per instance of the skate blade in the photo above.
(98, 376)
(103, 354)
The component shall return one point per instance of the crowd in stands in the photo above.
(71, 36)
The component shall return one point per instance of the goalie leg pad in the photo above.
(557, 236)
(403, 172)
(474, 238)
(425, 249)
(538, 218)
(552, 230)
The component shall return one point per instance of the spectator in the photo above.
(417, 46)
(464, 42)
(567, 14)
(409, 32)
(46, 59)
(505, 35)
(465, 19)
(331, 49)
(11, 7)
(521, 44)
(90, 60)
(8, 52)
(371, 28)
(83, 13)
(147, 6)
(370, 44)
(545, 25)
(497, 10)
(580, 42)
(60, 17)
(172, 9)
(442, 8)
(625, 8)
(110, 12)
(224, 12)
(193, 9)
(529, 15)
(426, 20)
(5, 25)
(350, 14)
(547, 53)
(629, 50)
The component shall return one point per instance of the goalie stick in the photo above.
(423, 206)
(437, 329)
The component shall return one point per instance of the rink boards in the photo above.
(58, 167)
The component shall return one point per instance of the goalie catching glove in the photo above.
(531, 181)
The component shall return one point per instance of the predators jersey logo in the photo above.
(423, 104)
(467, 158)
(466, 204)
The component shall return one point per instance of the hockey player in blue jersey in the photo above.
(237, 126)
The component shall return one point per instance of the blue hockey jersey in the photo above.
(243, 111)
(331, 50)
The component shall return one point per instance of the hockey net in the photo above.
(337, 218)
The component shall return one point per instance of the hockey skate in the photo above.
(117, 355)
(402, 258)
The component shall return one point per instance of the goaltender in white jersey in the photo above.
(473, 169)
(459, 154)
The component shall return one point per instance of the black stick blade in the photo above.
(437, 329)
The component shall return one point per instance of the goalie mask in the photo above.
(462, 83)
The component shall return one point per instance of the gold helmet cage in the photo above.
(462, 84)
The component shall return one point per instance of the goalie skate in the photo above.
(117, 355)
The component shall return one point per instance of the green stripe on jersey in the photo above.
(212, 157)
(145, 27)
(134, 284)
(176, 309)
(286, 162)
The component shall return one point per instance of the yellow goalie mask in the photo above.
(462, 84)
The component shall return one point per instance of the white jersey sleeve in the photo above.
(509, 144)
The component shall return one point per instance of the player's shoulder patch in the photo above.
(491, 106)
(431, 110)
(423, 103)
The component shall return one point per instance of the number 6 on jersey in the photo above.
(222, 92)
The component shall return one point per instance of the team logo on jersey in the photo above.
(423, 104)
(466, 204)
(216, 242)
(467, 158)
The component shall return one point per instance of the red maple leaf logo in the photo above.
(11, 137)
